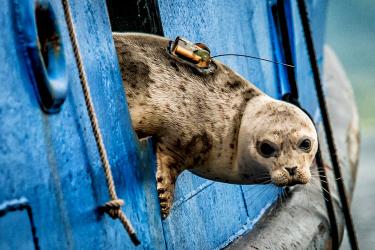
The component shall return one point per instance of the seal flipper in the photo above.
(166, 175)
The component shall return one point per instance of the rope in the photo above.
(328, 199)
(113, 207)
(327, 126)
(322, 177)
(293, 98)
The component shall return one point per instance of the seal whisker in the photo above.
(320, 193)
(318, 180)
(319, 175)
(315, 185)
(284, 195)
(217, 125)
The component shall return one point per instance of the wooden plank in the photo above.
(206, 218)
(52, 160)
(245, 32)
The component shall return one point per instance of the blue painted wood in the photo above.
(16, 224)
(228, 27)
(52, 160)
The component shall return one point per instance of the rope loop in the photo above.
(113, 208)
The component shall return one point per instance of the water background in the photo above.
(351, 33)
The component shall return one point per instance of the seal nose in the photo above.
(291, 170)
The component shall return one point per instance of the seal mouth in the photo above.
(264, 180)
(289, 183)
(293, 183)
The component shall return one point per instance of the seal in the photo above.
(218, 126)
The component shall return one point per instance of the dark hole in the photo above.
(135, 15)
(47, 35)
(284, 36)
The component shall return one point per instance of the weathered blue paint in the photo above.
(317, 11)
(16, 224)
(52, 160)
(16, 219)
(228, 27)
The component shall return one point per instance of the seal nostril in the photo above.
(291, 170)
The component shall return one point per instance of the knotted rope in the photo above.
(112, 207)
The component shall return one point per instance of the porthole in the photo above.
(40, 41)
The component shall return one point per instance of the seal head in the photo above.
(277, 142)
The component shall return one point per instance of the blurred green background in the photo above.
(350, 32)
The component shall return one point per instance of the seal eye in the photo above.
(266, 149)
(305, 145)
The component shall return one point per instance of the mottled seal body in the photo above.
(216, 125)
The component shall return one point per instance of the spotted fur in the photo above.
(197, 120)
